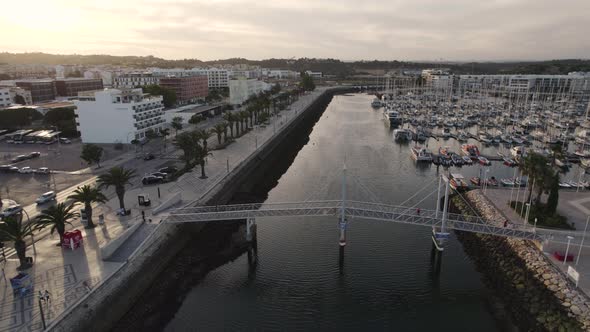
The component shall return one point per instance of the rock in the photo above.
(575, 310)
(546, 276)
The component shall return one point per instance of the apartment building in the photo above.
(133, 80)
(117, 115)
(242, 89)
(188, 89)
(41, 89)
(69, 87)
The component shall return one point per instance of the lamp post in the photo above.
(582, 243)
(526, 216)
(567, 249)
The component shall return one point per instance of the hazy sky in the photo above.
(343, 29)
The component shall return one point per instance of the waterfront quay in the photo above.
(72, 277)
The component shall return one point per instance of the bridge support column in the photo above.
(438, 238)
(342, 240)
(250, 229)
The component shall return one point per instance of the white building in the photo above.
(133, 80)
(242, 89)
(104, 75)
(8, 96)
(314, 74)
(117, 115)
(218, 78)
(280, 73)
(5, 99)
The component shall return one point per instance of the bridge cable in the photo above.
(424, 187)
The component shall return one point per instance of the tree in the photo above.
(91, 153)
(275, 89)
(151, 134)
(307, 83)
(20, 117)
(168, 95)
(219, 129)
(177, 124)
(56, 217)
(553, 198)
(186, 143)
(164, 133)
(117, 177)
(87, 195)
(535, 167)
(75, 73)
(18, 99)
(196, 118)
(201, 154)
(13, 229)
(230, 118)
(203, 135)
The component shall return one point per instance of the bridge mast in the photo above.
(342, 241)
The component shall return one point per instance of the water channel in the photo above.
(386, 280)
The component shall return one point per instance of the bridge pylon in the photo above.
(250, 229)
(438, 238)
(342, 223)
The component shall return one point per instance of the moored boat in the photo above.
(421, 154)
(483, 161)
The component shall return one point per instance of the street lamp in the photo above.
(582, 243)
(526, 216)
(567, 249)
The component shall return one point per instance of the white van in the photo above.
(46, 197)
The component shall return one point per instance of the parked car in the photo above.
(168, 170)
(13, 169)
(25, 170)
(160, 174)
(149, 156)
(11, 211)
(5, 168)
(64, 141)
(151, 179)
(34, 155)
(18, 141)
(46, 197)
(19, 158)
(42, 170)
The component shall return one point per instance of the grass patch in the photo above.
(543, 218)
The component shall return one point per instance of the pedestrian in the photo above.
(47, 296)
(143, 215)
(418, 211)
(505, 223)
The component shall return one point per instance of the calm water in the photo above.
(387, 280)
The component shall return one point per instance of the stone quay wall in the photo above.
(536, 293)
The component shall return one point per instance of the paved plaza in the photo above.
(68, 275)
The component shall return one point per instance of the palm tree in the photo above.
(56, 216)
(185, 142)
(203, 135)
(87, 195)
(218, 129)
(201, 154)
(229, 117)
(225, 125)
(177, 124)
(117, 177)
(13, 229)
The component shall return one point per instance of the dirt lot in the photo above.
(61, 157)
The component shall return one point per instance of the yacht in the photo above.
(421, 154)
(402, 135)
(470, 150)
(393, 117)
(376, 103)
(457, 182)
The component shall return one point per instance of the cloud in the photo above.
(345, 29)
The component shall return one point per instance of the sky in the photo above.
(439, 30)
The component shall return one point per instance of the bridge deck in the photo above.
(363, 210)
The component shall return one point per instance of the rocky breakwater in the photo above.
(538, 296)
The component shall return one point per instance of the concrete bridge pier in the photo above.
(342, 240)
(253, 244)
(435, 260)
(341, 259)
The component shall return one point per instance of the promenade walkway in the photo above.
(69, 275)
(576, 207)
